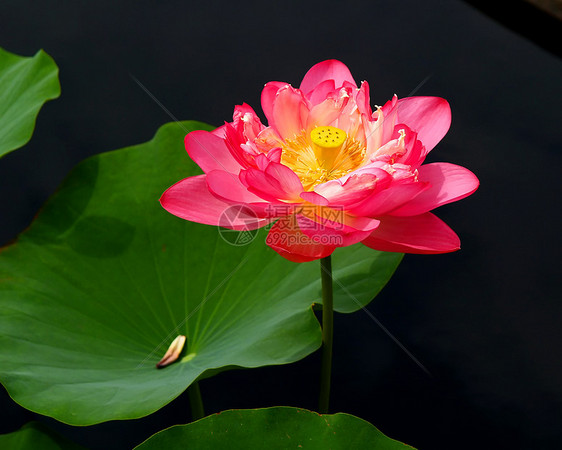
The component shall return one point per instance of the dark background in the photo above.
(485, 321)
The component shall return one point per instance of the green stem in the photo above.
(195, 401)
(327, 333)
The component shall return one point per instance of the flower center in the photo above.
(327, 153)
(328, 137)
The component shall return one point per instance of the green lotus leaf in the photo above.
(273, 428)
(25, 85)
(94, 292)
(33, 436)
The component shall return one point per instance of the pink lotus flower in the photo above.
(328, 171)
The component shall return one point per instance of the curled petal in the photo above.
(349, 118)
(277, 182)
(246, 122)
(403, 147)
(227, 186)
(235, 142)
(326, 112)
(286, 177)
(363, 100)
(327, 70)
(314, 198)
(268, 140)
(273, 210)
(429, 117)
(263, 160)
(389, 199)
(210, 152)
(219, 131)
(387, 119)
(414, 150)
(323, 91)
(348, 192)
(380, 127)
(423, 234)
(191, 200)
(262, 185)
(290, 112)
(341, 220)
(275, 154)
(446, 183)
(335, 218)
(289, 241)
(268, 95)
(326, 235)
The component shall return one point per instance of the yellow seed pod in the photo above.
(328, 137)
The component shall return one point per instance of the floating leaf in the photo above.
(25, 85)
(274, 428)
(94, 293)
(34, 435)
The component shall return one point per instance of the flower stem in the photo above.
(327, 333)
(195, 401)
